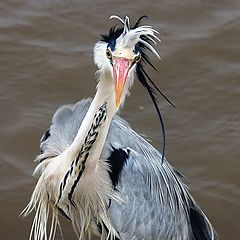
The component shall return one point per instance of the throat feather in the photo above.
(73, 175)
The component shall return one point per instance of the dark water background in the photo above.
(46, 60)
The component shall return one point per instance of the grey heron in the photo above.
(95, 170)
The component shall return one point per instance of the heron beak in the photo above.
(121, 67)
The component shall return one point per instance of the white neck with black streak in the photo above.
(86, 175)
(102, 106)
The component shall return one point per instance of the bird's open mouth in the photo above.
(121, 68)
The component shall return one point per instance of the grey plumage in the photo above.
(156, 203)
(99, 173)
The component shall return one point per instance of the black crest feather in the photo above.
(114, 33)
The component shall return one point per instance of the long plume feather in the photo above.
(143, 36)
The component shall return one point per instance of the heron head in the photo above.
(121, 52)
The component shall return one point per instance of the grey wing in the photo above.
(145, 211)
(65, 124)
(156, 203)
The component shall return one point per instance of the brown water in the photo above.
(46, 60)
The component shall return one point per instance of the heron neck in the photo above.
(105, 95)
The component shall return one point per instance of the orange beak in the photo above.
(121, 67)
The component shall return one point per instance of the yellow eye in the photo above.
(137, 58)
(108, 54)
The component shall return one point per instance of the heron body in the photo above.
(99, 173)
